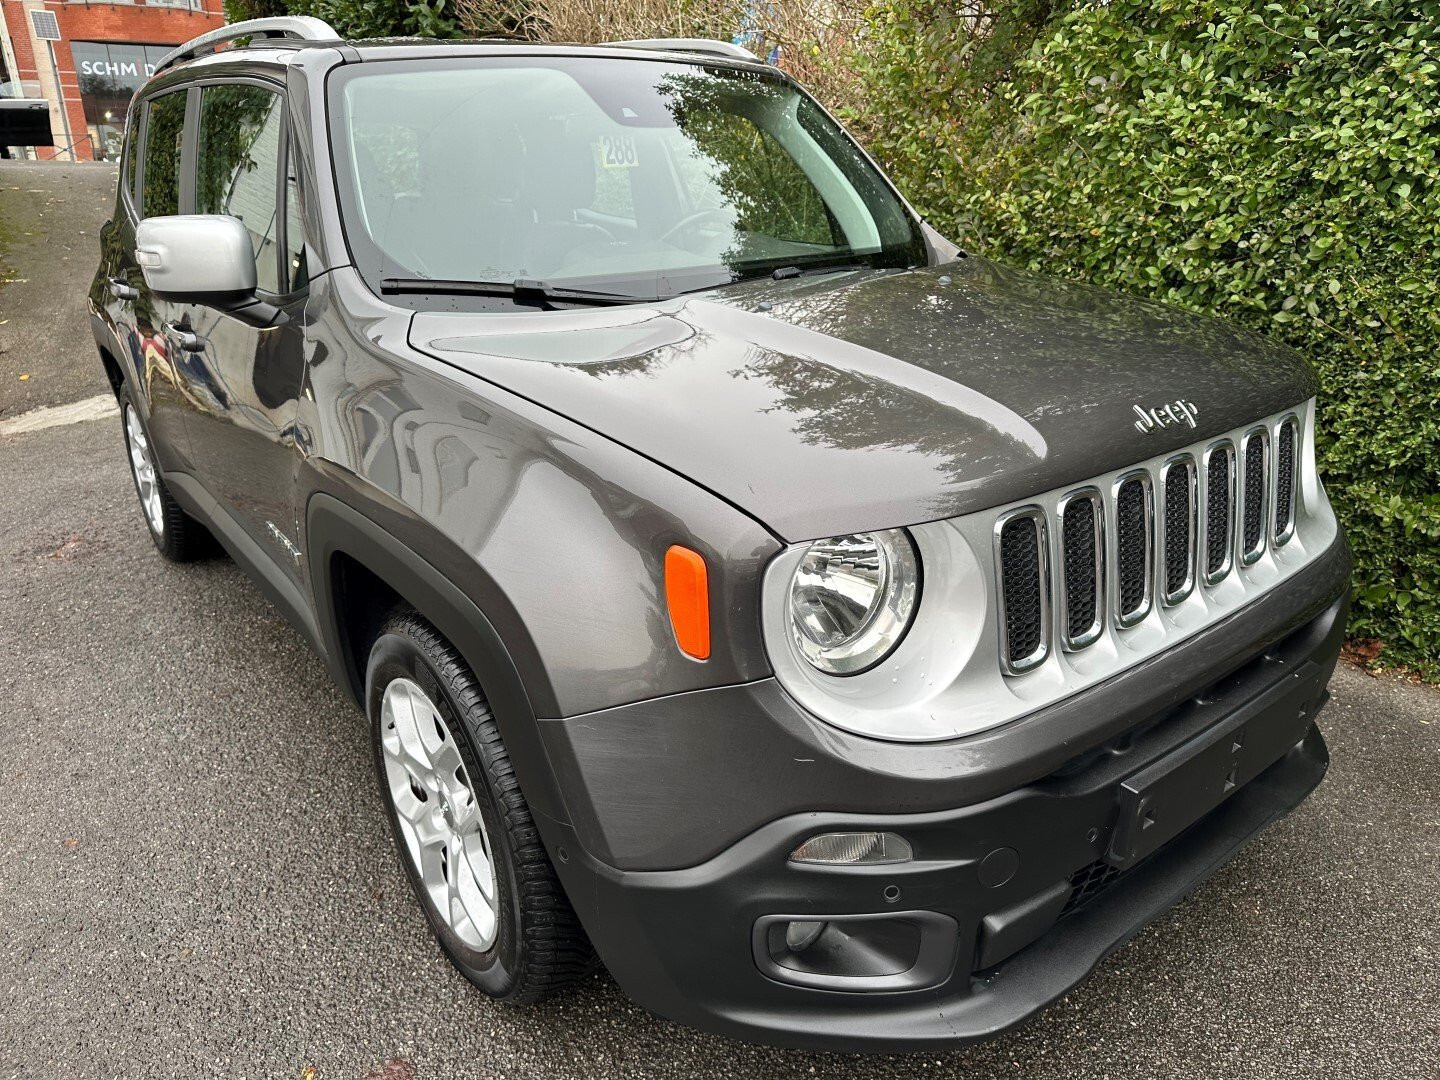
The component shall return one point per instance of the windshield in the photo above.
(629, 176)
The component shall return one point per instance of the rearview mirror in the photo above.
(202, 258)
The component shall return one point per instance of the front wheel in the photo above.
(464, 830)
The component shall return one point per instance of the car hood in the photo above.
(881, 398)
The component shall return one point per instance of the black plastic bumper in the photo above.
(1012, 900)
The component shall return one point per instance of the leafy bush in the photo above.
(816, 38)
(361, 18)
(603, 20)
(1276, 164)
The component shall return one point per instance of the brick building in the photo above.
(103, 53)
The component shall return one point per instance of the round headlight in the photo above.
(852, 598)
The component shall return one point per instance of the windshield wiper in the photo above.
(782, 273)
(521, 290)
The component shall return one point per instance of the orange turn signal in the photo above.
(687, 594)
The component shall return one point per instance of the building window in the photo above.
(8, 87)
(109, 75)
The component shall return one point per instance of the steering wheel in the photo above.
(692, 221)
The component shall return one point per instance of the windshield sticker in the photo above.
(617, 151)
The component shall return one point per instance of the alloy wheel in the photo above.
(439, 817)
(147, 481)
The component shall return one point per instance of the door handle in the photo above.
(186, 339)
(123, 290)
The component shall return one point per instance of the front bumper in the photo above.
(1012, 899)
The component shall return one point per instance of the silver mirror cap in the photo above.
(195, 255)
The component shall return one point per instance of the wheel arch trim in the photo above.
(334, 528)
(108, 343)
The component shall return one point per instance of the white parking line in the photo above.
(101, 405)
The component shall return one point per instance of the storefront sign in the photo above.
(109, 74)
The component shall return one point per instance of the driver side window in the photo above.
(165, 129)
(238, 168)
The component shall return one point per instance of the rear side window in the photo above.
(237, 168)
(164, 131)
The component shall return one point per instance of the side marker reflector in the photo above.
(687, 594)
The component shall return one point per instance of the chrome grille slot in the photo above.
(1021, 549)
(1082, 568)
(1177, 528)
(1134, 548)
(1285, 478)
(1219, 508)
(1254, 465)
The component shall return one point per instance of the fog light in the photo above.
(857, 953)
(799, 936)
(854, 849)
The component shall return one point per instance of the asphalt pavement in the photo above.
(196, 878)
(50, 218)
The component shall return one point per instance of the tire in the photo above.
(533, 944)
(177, 535)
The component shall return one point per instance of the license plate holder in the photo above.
(1165, 798)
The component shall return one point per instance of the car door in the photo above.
(152, 187)
(243, 382)
(112, 292)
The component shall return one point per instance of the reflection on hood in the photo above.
(876, 399)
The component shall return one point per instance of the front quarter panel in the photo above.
(556, 533)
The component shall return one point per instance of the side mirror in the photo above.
(201, 258)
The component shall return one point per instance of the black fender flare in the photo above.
(334, 527)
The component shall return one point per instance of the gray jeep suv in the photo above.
(846, 641)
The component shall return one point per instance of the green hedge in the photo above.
(361, 18)
(1275, 164)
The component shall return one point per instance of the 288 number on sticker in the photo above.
(618, 152)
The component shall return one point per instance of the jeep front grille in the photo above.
(1285, 480)
(1151, 536)
(1219, 506)
(1082, 561)
(1256, 472)
(1020, 544)
(1177, 527)
(1134, 544)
